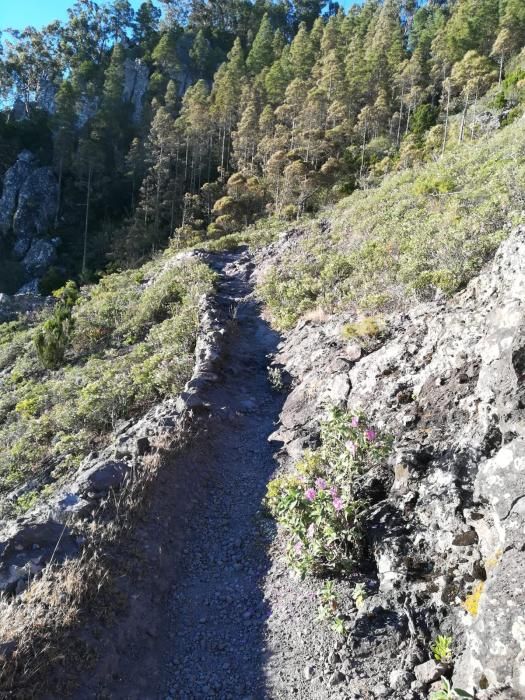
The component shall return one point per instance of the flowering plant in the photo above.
(316, 506)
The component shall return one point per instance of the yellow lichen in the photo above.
(471, 602)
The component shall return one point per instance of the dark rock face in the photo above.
(448, 384)
(13, 181)
(27, 210)
(136, 78)
(40, 256)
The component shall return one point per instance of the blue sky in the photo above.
(20, 13)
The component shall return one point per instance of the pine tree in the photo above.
(472, 27)
(64, 123)
(226, 95)
(471, 76)
(302, 54)
(261, 54)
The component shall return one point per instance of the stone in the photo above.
(308, 673)
(106, 476)
(36, 208)
(336, 678)
(14, 178)
(428, 672)
(40, 256)
(143, 446)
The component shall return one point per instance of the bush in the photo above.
(316, 505)
(434, 185)
(367, 327)
(53, 336)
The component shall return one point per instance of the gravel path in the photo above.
(212, 611)
(217, 610)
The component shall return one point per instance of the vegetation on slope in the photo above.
(425, 228)
(131, 344)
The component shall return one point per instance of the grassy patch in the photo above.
(131, 344)
(423, 229)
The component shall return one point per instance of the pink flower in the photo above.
(333, 491)
(310, 494)
(321, 484)
(338, 503)
(351, 447)
(370, 434)
(311, 531)
(298, 547)
(355, 422)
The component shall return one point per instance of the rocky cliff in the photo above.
(445, 528)
(27, 211)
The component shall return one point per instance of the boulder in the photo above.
(40, 256)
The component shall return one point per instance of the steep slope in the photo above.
(441, 530)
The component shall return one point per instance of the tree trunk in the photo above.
(445, 135)
(398, 140)
(363, 152)
(501, 60)
(463, 119)
(59, 192)
(86, 221)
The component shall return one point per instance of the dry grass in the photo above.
(36, 628)
(317, 315)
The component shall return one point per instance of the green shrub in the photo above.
(130, 342)
(367, 327)
(420, 229)
(434, 184)
(441, 649)
(53, 337)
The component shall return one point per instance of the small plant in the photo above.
(359, 595)
(26, 501)
(329, 608)
(434, 185)
(367, 327)
(441, 649)
(276, 379)
(316, 506)
(447, 692)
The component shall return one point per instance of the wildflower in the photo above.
(310, 494)
(355, 422)
(311, 531)
(337, 502)
(333, 491)
(298, 547)
(321, 484)
(351, 447)
(370, 434)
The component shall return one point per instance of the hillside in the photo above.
(261, 351)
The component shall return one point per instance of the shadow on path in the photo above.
(197, 616)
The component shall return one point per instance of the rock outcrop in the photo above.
(27, 211)
(445, 527)
(136, 79)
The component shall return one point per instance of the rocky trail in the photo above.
(196, 627)
(209, 609)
